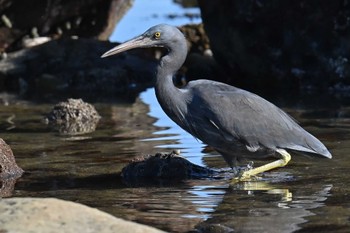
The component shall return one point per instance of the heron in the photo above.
(222, 116)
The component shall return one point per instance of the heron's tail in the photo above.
(312, 145)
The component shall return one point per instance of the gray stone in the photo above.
(50, 215)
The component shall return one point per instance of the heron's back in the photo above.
(223, 116)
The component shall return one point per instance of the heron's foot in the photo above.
(244, 176)
(249, 174)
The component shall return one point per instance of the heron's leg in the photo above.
(278, 163)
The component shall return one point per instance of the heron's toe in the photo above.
(244, 176)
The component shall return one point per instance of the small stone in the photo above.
(73, 117)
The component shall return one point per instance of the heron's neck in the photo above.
(166, 91)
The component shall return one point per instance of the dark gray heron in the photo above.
(220, 115)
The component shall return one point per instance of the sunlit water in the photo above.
(147, 13)
(189, 147)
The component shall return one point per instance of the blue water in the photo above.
(146, 13)
(189, 147)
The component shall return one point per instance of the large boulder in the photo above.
(290, 44)
(23, 215)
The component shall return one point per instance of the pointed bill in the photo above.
(138, 42)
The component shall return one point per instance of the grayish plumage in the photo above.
(220, 115)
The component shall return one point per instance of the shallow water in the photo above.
(311, 194)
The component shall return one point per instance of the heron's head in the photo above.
(161, 35)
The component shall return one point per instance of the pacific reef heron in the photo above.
(222, 116)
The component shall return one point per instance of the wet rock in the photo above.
(68, 67)
(53, 215)
(21, 20)
(288, 44)
(8, 166)
(73, 117)
(163, 167)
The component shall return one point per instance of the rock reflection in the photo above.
(7, 186)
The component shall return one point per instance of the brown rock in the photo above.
(8, 166)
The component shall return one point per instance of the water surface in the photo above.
(309, 195)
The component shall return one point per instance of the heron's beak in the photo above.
(138, 42)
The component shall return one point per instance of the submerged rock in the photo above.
(8, 166)
(73, 117)
(165, 167)
(54, 215)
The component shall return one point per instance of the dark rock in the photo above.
(73, 117)
(85, 18)
(8, 166)
(74, 68)
(289, 44)
(165, 167)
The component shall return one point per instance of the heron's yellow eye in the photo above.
(157, 35)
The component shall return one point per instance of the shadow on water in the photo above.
(309, 195)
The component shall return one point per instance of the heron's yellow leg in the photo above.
(246, 175)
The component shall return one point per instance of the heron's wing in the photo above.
(240, 115)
